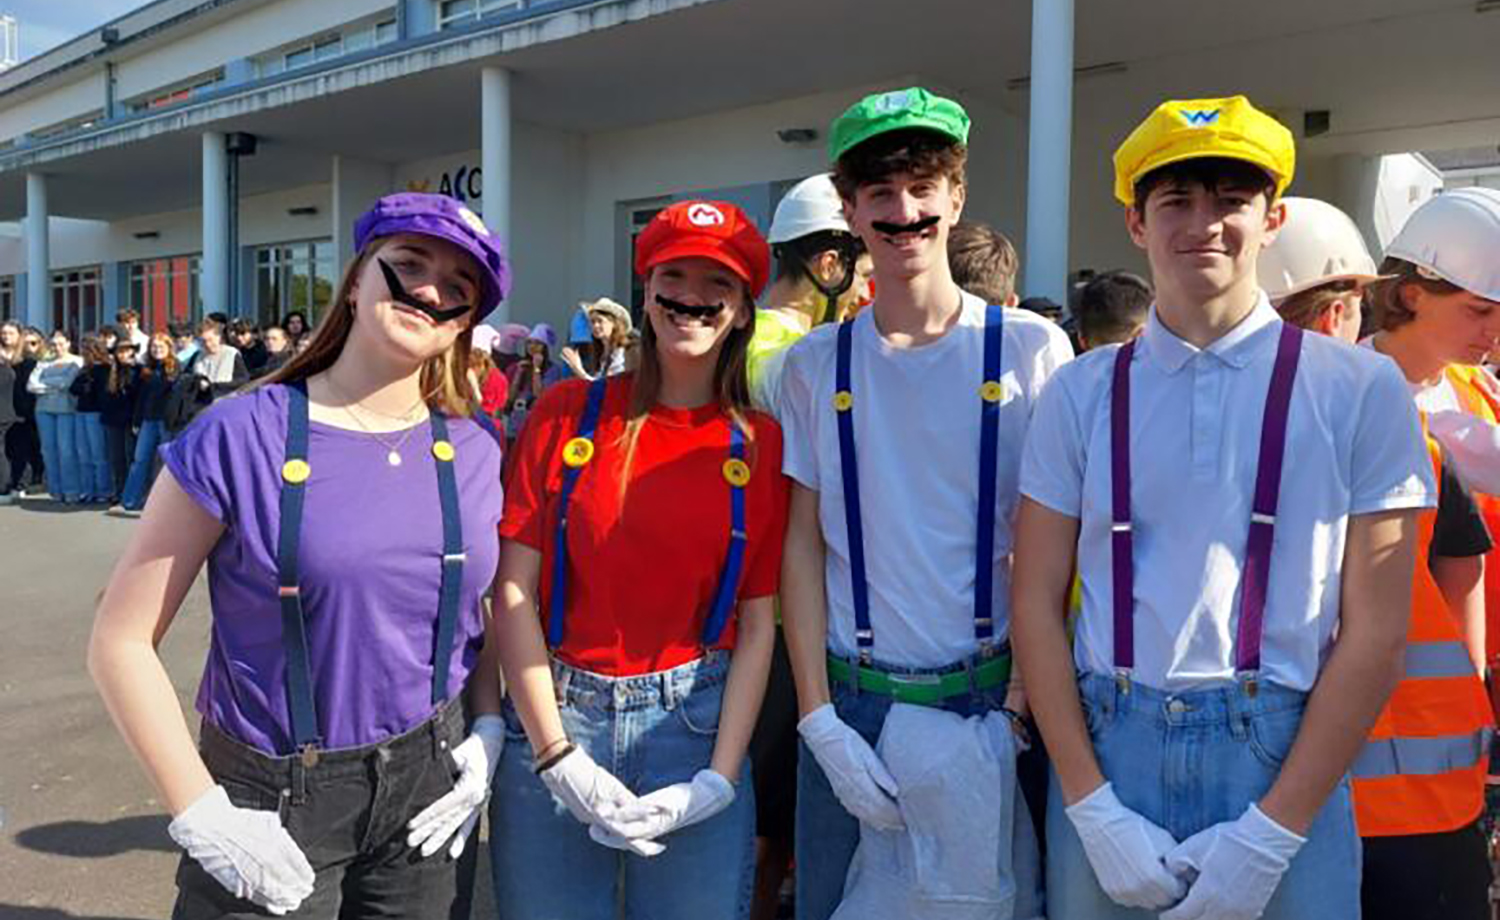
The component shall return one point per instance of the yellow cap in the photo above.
(1192, 129)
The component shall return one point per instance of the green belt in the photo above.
(923, 689)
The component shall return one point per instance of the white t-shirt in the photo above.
(1354, 446)
(916, 429)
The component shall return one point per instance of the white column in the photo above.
(38, 255)
(1051, 139)
(495, 134)
(214, 282)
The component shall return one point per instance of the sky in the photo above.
(45, 24)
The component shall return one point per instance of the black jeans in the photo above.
(5, 486)
(120, 443)
(348, 813)
(23, 449)
(1427, 876)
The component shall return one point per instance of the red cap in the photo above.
(709, 229)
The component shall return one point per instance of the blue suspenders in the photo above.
(991, 393)
(577, 454)
(294, 475)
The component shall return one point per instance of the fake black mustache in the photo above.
(914, 227)
(705, 312)
(400, 295)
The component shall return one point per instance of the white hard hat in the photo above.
(810, 206)
(1317, 245)
(1456, 237)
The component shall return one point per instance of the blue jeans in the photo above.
(650, 731)
(1188, 761)
(95, 478)
(827, 835)
(60, 454)
(139, 480)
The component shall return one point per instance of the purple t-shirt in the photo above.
(371, 567)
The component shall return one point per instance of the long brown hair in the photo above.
(92, 350)
(14, 357)
(444, 378)
(731, 385)
(168, 365)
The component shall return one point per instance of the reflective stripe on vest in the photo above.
(295, 473)
(726, 590)
(991, 395)
(1438, 659)
(1257, 561)
(1421, 756)
(1422, 769)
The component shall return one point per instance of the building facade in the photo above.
(203, 155)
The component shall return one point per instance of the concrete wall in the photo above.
(238, 37)
(66, 101)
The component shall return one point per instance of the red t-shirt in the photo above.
(493, 392)
(641, 576)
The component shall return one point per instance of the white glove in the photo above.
(1238, 865)
(1126, 851)
(861, 782)
(245, 850)
(454, 815)
(594, 796)
(673, 807)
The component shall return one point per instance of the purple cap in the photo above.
(544, 333)
(446, 219)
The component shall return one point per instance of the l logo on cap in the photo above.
(705, 215)
(893, 102)
(1200, 117)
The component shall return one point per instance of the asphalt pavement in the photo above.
(84, 836)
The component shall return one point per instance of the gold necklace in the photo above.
(393, 450)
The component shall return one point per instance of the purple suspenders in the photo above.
(1257, 564)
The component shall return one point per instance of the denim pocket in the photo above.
(699, 711)
(257, 796)
(1271, 735)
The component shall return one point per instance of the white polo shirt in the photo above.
(1354, 446)
(916, 427)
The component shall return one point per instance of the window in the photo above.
(462, 12)
(299, 58)
(358, 37)
(293, 276)
(8, 297)
(176, 93)
(72, 124)
(165, 291)
(633, 217)
(76, 295)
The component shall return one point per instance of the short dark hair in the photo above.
(219, 317)
(1112, 307)
(1208, 172)
(180, 329)
(983, 261)
(919, 151)
(242, 327)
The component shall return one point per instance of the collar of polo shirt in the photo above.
(1235, 348)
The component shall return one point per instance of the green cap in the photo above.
(878, 113)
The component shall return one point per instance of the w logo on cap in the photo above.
(705, 215)
(1200, 117)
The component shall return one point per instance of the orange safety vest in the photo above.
(1476, 399)
(1422, 769)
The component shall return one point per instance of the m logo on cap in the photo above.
(1200, 117)
(705, 215)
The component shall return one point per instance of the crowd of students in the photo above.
(828, 558)
(81, 416)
